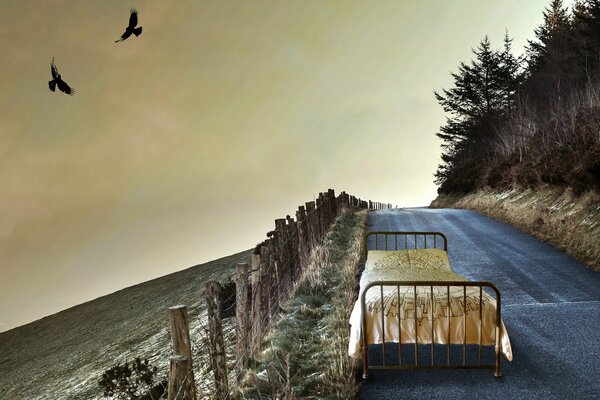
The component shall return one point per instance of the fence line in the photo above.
(260, 291)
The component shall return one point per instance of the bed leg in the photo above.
(497, 373)
(366, 363)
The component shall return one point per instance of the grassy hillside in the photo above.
(62, 356)
(557, 216)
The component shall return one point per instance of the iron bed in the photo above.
(410, 297)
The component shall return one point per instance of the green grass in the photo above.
(305, 354)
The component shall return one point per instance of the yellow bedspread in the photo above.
(421, 265)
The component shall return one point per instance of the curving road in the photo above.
(551, 308)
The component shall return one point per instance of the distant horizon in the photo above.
(217, 119)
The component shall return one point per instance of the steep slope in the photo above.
(62, 356)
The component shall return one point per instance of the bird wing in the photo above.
(124, 36)
(63, 87)
(53, 69)
(133, 20)
(52, 85)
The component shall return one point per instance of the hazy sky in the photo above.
(184, 144)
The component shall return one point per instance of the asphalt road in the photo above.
(550, 305)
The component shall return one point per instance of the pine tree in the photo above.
(550, 57)
(483, 90)
(586, 27)
(527, 119)
(511, 74)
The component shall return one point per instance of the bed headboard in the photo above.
(405, 240)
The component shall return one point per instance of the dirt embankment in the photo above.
(570, 223)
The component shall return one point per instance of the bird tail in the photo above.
(137, 31)
(52, 85)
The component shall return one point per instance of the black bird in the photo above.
(57, 81)
(133, 21)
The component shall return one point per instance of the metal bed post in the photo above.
(498, 373)
(399, 327)
(416, 328)
(364, 338)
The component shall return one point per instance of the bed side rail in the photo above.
(430, 285)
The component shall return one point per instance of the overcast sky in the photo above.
(183, 145)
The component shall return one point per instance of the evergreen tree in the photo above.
(586, 26)
(511, 74)
(550, 57)
(483, 91)
(527, 120)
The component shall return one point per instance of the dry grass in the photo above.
(305, 354)
(570, 223)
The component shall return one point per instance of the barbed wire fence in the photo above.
(209, 361)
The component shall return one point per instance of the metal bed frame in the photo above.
(431, 285)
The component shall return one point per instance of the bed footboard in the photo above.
(445, 293)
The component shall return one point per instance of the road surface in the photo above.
(550, 305)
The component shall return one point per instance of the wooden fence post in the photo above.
(282, 267)
(302, 237)
(275, 289)
(310, 224)
(178, 369)
(293, 243)
(328, 211)
(319, 218)
(255, 318)
(265, 287)
(215, 328)
(180, 338)
(333, 202)
(242, 319)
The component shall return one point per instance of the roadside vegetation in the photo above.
(305, 356)
(531, 120)
(136, 380)
(567, 221)
(522, 138)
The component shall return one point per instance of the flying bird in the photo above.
(133, 21)
(57, 81)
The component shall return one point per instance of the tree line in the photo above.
(527, 120)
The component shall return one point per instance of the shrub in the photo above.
(132, 381)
